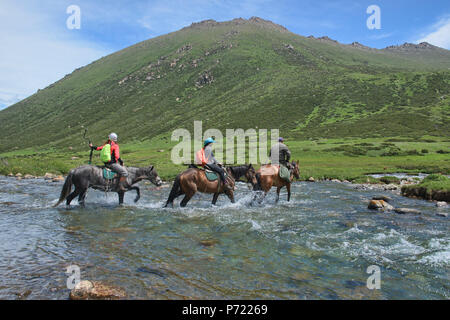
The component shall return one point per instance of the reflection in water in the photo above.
(318, 246)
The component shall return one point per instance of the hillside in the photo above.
(240, 74)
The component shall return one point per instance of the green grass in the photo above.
(433, 187)
(435, 182)
(317, 158)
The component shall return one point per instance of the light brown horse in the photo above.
(268, 176)
(194, 180)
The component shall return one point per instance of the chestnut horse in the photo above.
(194, 179)
(268, 176)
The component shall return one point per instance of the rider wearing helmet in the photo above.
(210, 161)
(116, 163)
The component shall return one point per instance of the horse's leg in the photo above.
(186, 199)
(138, 193)
(214, 200)
(278, 194)
(288, 187)
(82, 197)
(121, 196)
(191, 189)
(71, 196)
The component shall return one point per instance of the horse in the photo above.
(268, 176)
(194, 179)
(89, 176)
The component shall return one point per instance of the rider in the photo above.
(280, 153)
(205, 157)
(113, 164)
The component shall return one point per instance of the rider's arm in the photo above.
(288, 155)
(115, 149)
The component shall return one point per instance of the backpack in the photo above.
(105, 154)
(200, 157)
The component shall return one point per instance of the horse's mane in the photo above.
(238, 171)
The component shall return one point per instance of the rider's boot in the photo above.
(123, 184)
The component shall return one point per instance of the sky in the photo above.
(37, 47)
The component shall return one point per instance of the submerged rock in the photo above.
(407, 210)
(209, 242)
(380, 205)
(94, 290)
(442, 214)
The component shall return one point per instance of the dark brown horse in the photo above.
(268, 176)
(194, 179)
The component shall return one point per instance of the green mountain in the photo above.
(240, 74)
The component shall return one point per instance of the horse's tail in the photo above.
(66, 189)
(175, 192)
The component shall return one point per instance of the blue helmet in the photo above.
(208, 141)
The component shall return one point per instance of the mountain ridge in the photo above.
(213, 71)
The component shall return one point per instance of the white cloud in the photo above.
(36, 50)
(439, 34)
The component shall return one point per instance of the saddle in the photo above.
(211, 175)
(109, 174)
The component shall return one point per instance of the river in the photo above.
(317, 246)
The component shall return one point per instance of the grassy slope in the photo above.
(317, 89)
(311, 90)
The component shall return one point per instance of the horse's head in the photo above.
(295, 169)
(151, 175)
(250, 174)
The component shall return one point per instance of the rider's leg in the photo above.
(123, 173)
(214, 167)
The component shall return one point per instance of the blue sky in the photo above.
(37, 48)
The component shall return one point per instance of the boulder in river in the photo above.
(381, 197)
(28, 176)
(94, 290)
(442, 214)
(311, 179)
(18, 175)
(58, 178)
(380, 205)
(335, 180)
(407, 211)
(441, 204)
(49, 176)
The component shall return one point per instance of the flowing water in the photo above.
(317, 246)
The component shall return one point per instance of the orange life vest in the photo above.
(200, 157)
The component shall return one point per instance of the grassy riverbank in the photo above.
(342, 159)
(433, 187)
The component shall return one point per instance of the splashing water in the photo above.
(317, 246)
